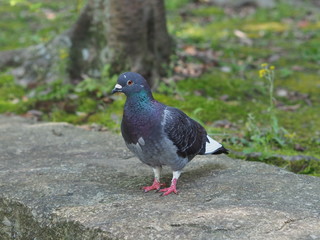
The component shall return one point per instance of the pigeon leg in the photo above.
(156, 182)
(173, 187)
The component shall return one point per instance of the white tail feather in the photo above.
(212, 145)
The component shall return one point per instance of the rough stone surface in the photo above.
(58, 181)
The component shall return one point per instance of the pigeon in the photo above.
(160, 135)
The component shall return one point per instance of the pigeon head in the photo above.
(131, 83)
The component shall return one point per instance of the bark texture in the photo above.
(127, 35)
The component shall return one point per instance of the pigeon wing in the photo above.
(186, 134)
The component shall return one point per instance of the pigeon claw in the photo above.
(167, 191)
(155, 186)
(172, 188)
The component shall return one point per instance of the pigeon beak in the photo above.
(117, 88)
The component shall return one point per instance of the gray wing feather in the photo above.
(186, 134)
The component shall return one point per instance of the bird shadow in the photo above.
(205, 170)
(192, 173)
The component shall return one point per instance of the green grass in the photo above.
(174, 5)
(276, 34)
(29, 22)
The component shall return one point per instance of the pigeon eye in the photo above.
(130, 82)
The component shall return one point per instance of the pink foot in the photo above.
(172, 188)
(155, 186)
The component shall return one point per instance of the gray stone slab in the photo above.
(58, 181)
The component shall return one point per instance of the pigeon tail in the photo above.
(211, 146)
(221, 150)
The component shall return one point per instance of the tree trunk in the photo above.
(126, 35)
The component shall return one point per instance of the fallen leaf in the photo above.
(49, 14)
(224, 97)
(223, 124)
(281, 92)
(33, 114)
(289, 108)
(225, 69)
(190, 50)
(303, 23)
(107, 100)
(297, 68)
(273, 58)
(198, 92)
(243, 37)
(299, 148)
(190, 69)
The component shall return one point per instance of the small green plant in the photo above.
(273, 135)
(267, 73)
(31, 5)
(173, 5)
(97, 87)
(56, 90)
(12, 96)
(88, 87)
